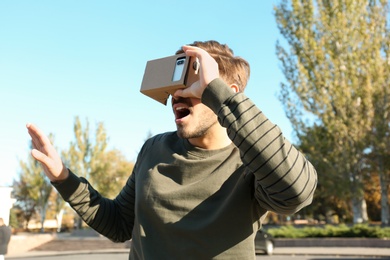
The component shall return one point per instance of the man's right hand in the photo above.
(208, 71)
(44, 152)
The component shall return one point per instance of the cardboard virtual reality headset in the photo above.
(164, 76)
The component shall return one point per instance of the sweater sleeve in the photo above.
(111, 218)
(284, 179)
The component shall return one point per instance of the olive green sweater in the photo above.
(183, 202)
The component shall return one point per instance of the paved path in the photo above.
(69, 245)
(336, 252)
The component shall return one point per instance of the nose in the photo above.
(173, 99)
(179, 99)
(176, 98)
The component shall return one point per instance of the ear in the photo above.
(235, 88)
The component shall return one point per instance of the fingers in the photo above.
(39, 139)
(44, 152)
(208, 70)
(194, 51)
(39, 156)
(54, 169)
(39, 142)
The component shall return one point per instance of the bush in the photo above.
(360, 230)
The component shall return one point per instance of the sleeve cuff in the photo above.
(68, 187)
(216, 93)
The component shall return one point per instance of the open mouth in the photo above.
(181, 108)
(181, 112)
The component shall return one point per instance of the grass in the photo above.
(359, 230)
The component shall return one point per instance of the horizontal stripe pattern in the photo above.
(285, 180)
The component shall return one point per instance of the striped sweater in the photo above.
(184, 202)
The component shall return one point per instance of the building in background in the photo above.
(6, 203)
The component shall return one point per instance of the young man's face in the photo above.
(193, 119)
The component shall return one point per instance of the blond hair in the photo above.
(232, 69)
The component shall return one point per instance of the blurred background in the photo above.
(319, 70)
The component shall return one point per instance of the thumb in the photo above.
(185, 93)
(181, 93)
(193, 91)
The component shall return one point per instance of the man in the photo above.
(202, 191)
(5, 237)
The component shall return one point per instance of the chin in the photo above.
(190, 135)
(183, 135)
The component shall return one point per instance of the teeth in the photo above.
(180, 108)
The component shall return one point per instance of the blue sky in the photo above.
(62, 59)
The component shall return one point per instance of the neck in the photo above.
(215, 138)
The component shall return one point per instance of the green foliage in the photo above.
(88, 156)
(335, 59)
(110, 172)
(33, 189)
(361, 230)
(13, 219)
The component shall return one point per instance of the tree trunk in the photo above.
(59, 216)
(359, 209)
(78, 223)
(43, 217)
(385, 213)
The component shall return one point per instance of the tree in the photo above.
(59, 209)
(89, 157)
(33, 189)
(380, 138)
(82, 150)
(332, 79)
(373, 197)
(330, 194)
(110, 171)
(25, 204)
